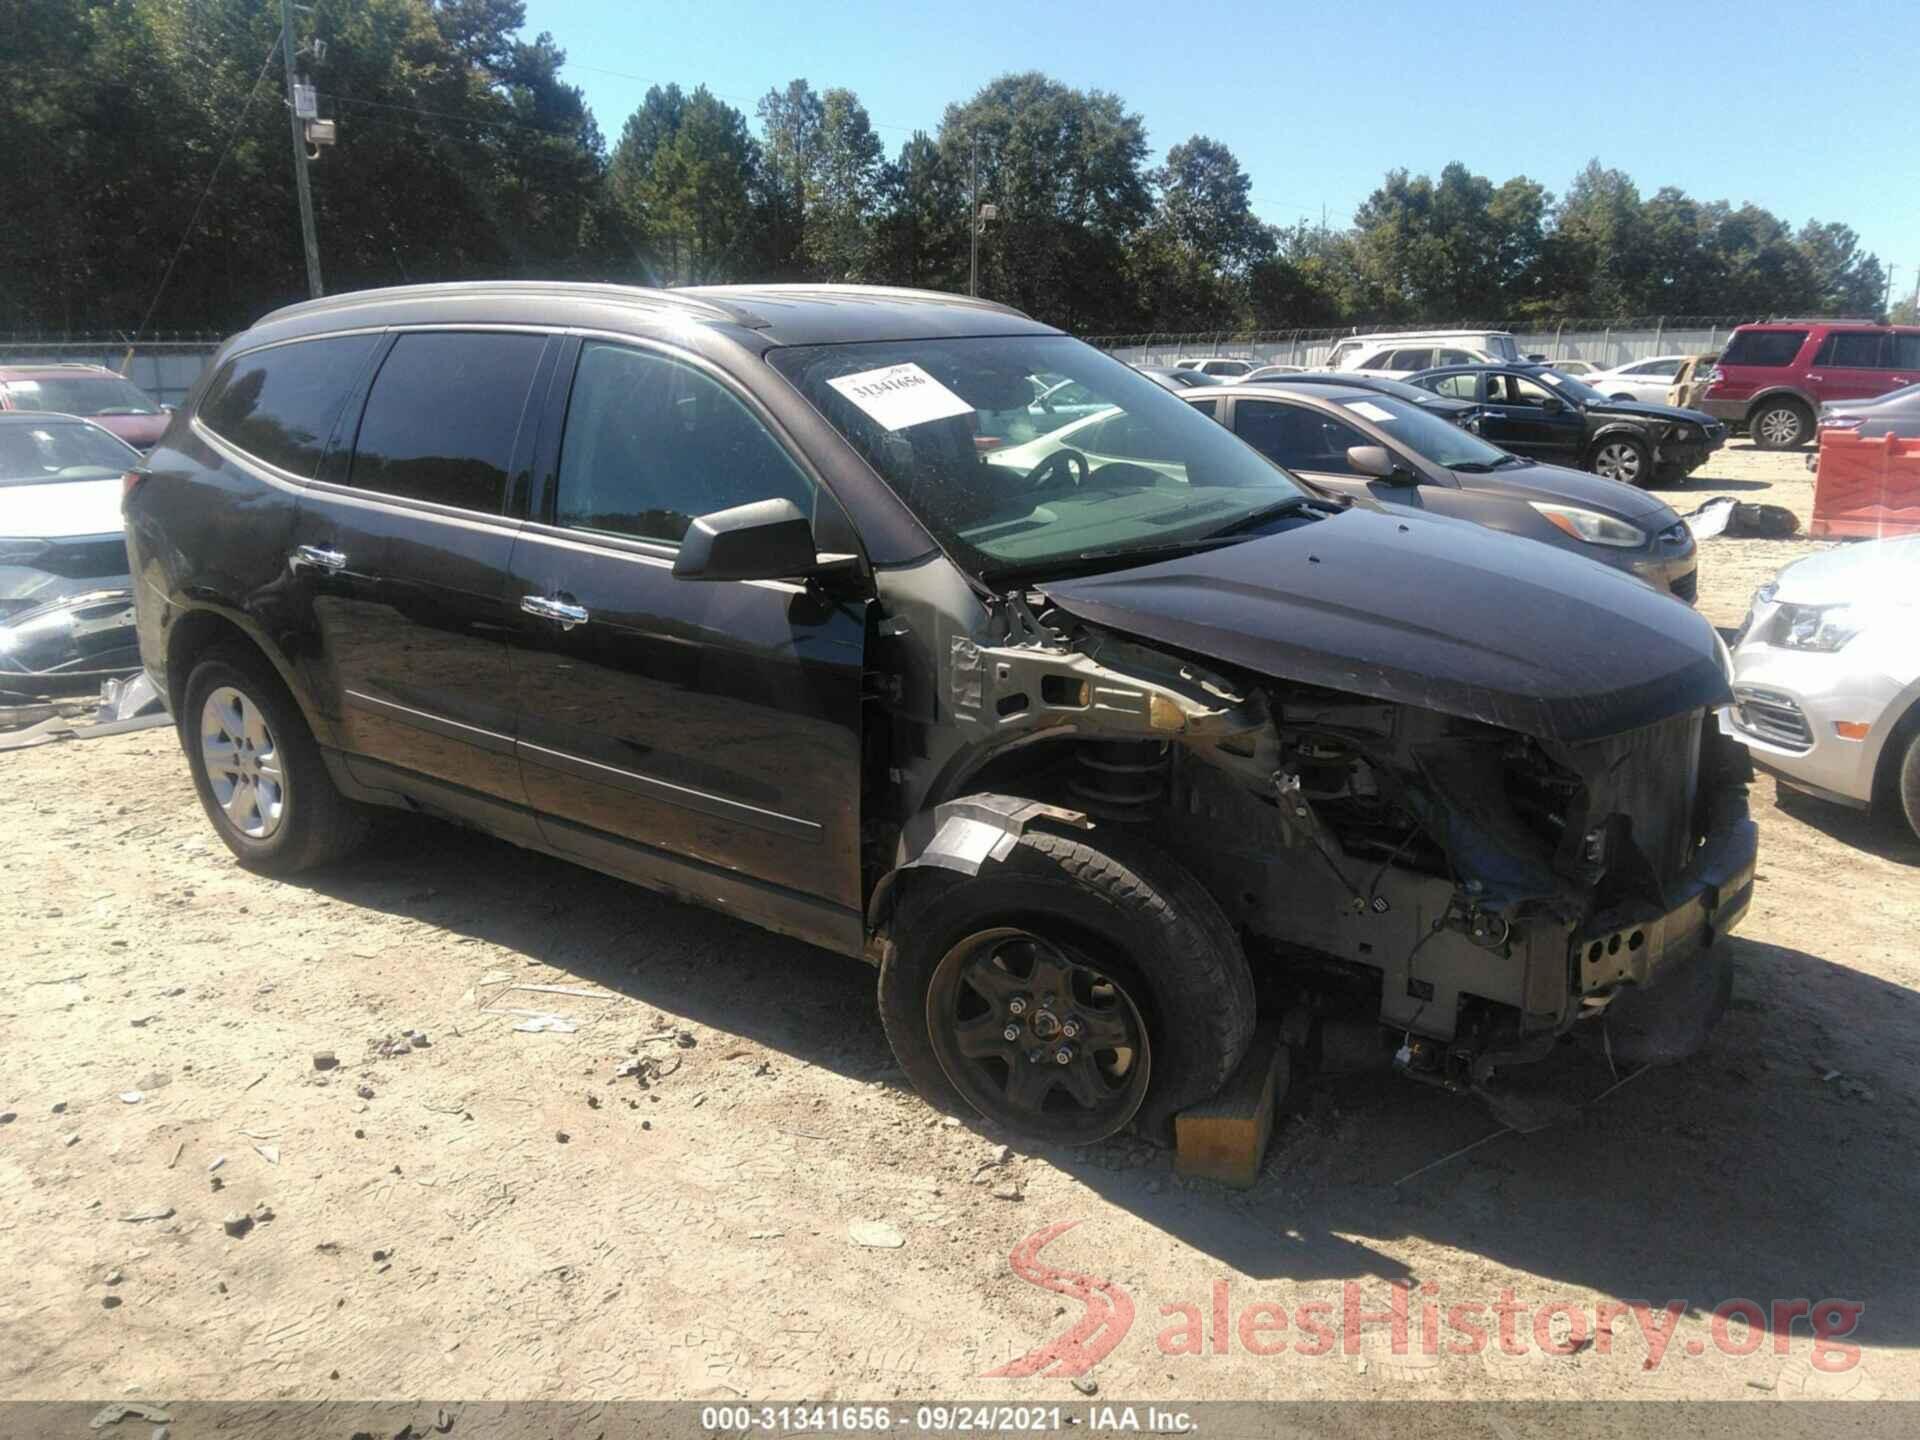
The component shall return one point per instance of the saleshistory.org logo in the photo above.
(1316, 1328)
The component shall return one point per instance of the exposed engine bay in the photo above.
(1477, 889)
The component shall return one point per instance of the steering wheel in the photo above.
(1065, 458)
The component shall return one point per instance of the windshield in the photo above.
(82, 395)
(1420, 430)
(951, 426)
(1576, 390)
(56, 451)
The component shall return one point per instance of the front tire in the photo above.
(258, 769)
(1105, 935)
(1910, 783)
(1623, 458)
(1781, 425)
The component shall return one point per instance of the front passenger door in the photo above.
(1314, 446)
(702, 737)
(1517, 417)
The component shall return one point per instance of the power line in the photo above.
(194, 219)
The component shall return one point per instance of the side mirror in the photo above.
(767, 540)
(1551, 406)
(1376, 461)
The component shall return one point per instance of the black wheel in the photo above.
(1910, 782)
(1781, 425)
(1625, 458)
(1066, 990)
(258, 771)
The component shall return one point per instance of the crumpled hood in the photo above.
(1641, 410)
(1430, 612)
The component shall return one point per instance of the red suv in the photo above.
(1774, 378)
(103, 396)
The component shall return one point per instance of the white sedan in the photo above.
(1826, 679)
(1645, 380)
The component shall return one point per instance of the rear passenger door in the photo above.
(1855, 365)
(702, 737)
(403, 545)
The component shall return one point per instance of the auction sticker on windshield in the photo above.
(1370, 410)
(901, 395)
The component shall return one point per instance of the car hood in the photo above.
(1575, 487)
(1430, 612)
(1644, 410)
(60, 509)
(1872, 570)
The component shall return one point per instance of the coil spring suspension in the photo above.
(1121, 780)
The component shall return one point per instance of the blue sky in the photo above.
(1809, 111)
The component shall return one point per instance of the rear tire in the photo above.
(1780, 425)
(1910, 782)
(1108, 908)
(258, 770)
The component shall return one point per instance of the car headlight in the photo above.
(1817, 627)
(1680, 433)
(1591, 526)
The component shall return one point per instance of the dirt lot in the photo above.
(501, 1213)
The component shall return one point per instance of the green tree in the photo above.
(1064, 168)
(681, 178)
(843, 189)
(790, 120)
(920, 237)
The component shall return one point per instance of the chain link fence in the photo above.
(165, 367)
(1603, 343)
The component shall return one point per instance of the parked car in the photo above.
(66, 608)
(1357, 442)
(1827, 676)
(1579, 369)
(1458, 412)
(1221, 366)
(1647, 380)
(1896, 414)
(1535, 411)
(1690, 381)
(1369, 352)
(93, 391)
(714, 590)
(1773, 378)
(1170, 377)
(1271, 372)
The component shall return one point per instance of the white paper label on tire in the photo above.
(1372, 411)
(901, 395)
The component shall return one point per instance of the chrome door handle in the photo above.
(318, 558)
(547, 608)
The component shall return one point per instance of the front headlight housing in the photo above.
(1591, 526)
(1820, 628)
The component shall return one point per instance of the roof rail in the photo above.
(1822, 320)
(637, 295)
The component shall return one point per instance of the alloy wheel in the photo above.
(243, 763)
(1780, 427)
(1036, 1038)
(1618, 461)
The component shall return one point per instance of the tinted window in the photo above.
(1855, 350)
(1503, 346)
(280, 404)
(1299, 438)
(1409, 360)
(1455, 357)
(1208, 408)
(651, 443)
(1763, 347)
(1906, 351)
(441, 420)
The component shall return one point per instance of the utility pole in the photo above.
(973, 219)
(297, 123)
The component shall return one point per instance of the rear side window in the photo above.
(1455, 357)
(280, 404)
(1763, 347)
(1502, 346)
(442, 418)
(1458, 387)
(1855, 350)
(1906, 351)
(1421, 359)
(651, 444)
(1208, 408)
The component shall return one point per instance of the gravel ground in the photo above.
(226, 1172)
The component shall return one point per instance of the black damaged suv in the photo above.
(770, 598)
